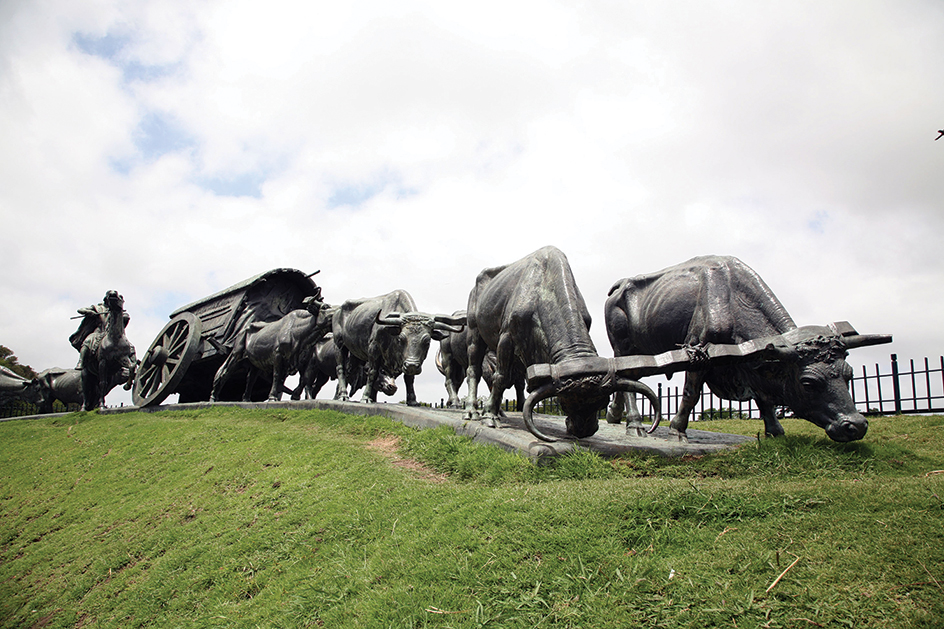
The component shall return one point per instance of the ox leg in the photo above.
(225, 371)
(694, 381)
(251, 376)
(222, 376)
(614, 412)
(452, 387)
(477, 351)
(500, 380)
(278, 379)
(370, 387)
(772, 427)
(624, 404)
(634, 426)
(410, 391)
(314, 386)
(305, 378)
(341, 394)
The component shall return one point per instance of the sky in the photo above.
(169, 149)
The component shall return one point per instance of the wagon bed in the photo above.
(188, 351)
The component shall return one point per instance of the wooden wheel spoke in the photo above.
(180, 340)
(152, 380)
(176, 344)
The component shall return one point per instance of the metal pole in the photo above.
(896, 386)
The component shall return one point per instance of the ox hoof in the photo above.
(491, 422)
(682, 437)
(636, 430)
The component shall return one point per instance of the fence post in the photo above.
(895, 384)
(660, 397)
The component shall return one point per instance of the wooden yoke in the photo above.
(688, 358)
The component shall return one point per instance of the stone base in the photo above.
(610, 440)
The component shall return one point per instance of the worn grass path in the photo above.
(237, 518)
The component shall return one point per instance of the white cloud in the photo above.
(410, 145)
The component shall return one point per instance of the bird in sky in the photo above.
(941, 131)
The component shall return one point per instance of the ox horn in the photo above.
(863, 340)
(391, 318)
(451, 319)
(551, 389)
(544, 392)
(448, 324)
(634, 386)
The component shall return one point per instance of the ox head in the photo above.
(412, 332)
(581, 397)
(811, 377)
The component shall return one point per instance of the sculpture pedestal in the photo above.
(609, 441)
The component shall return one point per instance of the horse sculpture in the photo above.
(106, 355)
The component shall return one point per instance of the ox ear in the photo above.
(439, 335)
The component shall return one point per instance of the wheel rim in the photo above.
(167, 360)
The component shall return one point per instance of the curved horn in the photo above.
(863, 340)
(634, 386)
(451, 320)
(546, 391)
(391, 318)
(444, 327)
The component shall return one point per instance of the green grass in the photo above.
(232, 518)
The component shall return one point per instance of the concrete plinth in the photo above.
(610, 440)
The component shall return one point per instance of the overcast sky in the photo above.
(170, 149)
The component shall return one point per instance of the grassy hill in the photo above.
(233, 518)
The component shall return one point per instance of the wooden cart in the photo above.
(187, 353)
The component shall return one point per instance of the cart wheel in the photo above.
(167, 360)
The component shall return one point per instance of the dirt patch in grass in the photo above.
(387, 445)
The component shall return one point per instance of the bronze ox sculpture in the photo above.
(276, 347)
(452, 361)
(531, 312)
(322, 366)
(720, 300)
(61, 384)
(14, 387)
(387, 335)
